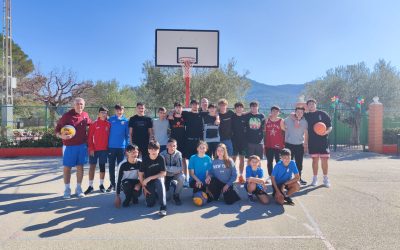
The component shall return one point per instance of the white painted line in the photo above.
(316, 227)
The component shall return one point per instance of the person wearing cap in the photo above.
(99, 132)
(117, 142)
(318, 145)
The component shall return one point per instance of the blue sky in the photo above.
(278, 42)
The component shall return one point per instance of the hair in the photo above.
(154, 145)
(162, 109)
(285, 152)
(311, 100)
(201, 142)
(225, 156)
(300, 108)
(79, 99)
(177, 104)
(222, 102)
(211, 105)
(194, 101)
(253, 157)
(254, 104)
(131, 147)
(103, 108)
(275, 107)
(119, 107)
(204, 99)
(140, 104)
(170, 140)
(239, 104)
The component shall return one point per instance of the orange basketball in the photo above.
(320, 128)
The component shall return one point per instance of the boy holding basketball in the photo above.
(318, 145)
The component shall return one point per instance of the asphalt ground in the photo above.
(360, 211)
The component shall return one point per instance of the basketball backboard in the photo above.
(173, 44)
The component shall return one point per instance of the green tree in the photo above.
(22, 65)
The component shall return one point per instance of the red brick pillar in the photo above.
(375, 126)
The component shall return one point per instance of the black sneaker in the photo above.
(102, 188)
(303, 182)
(251, 198)
(111, 188)
(126, 202)
(177, 200)
(163, 211)
(289, 201)
(88, 190)
(135, 200)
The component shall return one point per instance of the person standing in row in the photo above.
(211, 129)
(239, 138)
(141, 129)
(160, 128)
(225, 126)
(255, 123)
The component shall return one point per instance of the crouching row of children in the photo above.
(160, 173)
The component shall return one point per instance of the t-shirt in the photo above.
(239, 128)
(294, 133)
(127, 170)
(177, 126)
(80, 122)
(258, 173)
(210, 130)
(282, 174)
(200, 165)
(160, 128)
(119, 132)
(140, 129)
(152, 167)
(225, 126)
(193, 124)
(223, 173)
(315, 141)
(254, 128)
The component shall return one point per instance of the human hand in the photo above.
(225, 188)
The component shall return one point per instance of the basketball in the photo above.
(320, 128)
(200, 198)
(68, 130)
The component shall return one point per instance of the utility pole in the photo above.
(8, 81)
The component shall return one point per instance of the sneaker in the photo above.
(67, 193)
(186, 184)
(79, 193)
(251, 198)
(177, 200)
(135, 200)
(89, 190)
(289, 201)
(173, 184)
(327, 183)
(241, 180)
(162, 212)
(314, 181)
(111, 188)
(102, 188)
(303, 182)
(126, 202)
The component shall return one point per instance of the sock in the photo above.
(325, 176)
(101, 181)
(249, 194)
(67, 186)
(91, 183)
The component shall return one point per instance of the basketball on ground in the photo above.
(200, 198)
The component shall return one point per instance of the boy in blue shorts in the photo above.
(283, 180)
(255, 185)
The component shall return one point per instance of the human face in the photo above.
(103, 115)
(162, 115)
(140, 110)
(286, 160)
(212, 111)
(220, 153)
(178, 109)
(171, 146)
(204, 104)
(299, 113)
(195, 107)
(202, 149)
(275, 113)
(239, 110)
(119, 112)
(222, 108)
(254, 163)
(153, 152)
(312, 106)
(132, 154)
(254, 109)
(79, 105)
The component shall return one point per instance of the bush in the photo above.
(390, 135)
(47, 139)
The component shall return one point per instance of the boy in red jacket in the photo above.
(98, 148)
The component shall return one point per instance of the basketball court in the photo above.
(360, 211)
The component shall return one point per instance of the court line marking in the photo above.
(314, 224)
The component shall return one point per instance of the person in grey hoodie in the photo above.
(221, 177)
(173, 164)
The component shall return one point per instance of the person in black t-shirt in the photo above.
(193, 129)
(128, 178)
(239, 138)
(318, 146)
(255, 123)
(140, 129)
(177, 126)
(225, 127)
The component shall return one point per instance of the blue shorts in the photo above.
(229, 146)
(75, 155)
(100, 155)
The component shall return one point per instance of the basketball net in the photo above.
(186, 63)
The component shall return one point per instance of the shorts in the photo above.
(280, 188)
(76, 155)
(229, 146)
(190, 147)
(239, 147)
(100, 155)
(320, 155)
(257, 191)
(255, 149)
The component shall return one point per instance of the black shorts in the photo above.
(190, 147)
(239, 147)
(279, 187)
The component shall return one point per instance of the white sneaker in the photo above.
(314, 181)
(327, 183)
(79, 193)
(67, 193)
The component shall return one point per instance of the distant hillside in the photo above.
(284, 96)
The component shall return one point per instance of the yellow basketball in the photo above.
(68, 130)
(200, 198)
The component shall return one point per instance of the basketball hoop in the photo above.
(186, 63)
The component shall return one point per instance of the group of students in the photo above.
(210, 137)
